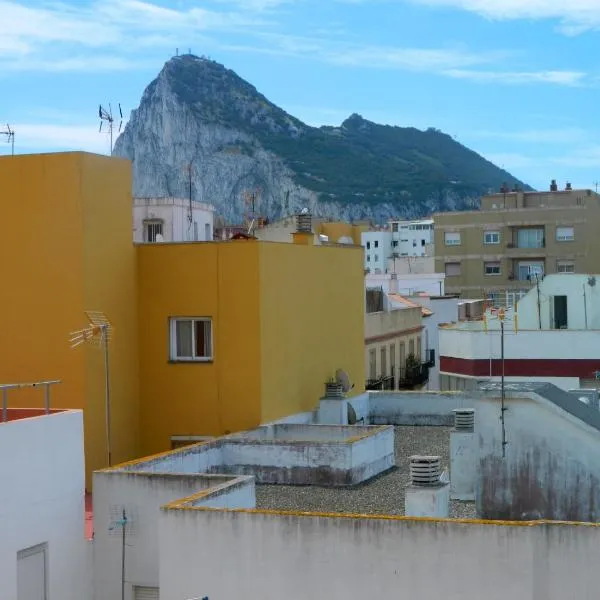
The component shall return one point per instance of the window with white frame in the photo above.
(565, 234)
(452, 238)
(492, 268)
(452, 269)
(153, 230)
(191, 339)
(565, 266)
(491, 237)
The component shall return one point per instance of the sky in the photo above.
(515, 80)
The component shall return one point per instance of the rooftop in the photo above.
(383, 495)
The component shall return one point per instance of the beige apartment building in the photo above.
(500, 251)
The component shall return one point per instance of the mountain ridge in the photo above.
(199, 112)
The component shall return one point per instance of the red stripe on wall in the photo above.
(521, 367)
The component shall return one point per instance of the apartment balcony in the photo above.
(411, 378)
(525, 241)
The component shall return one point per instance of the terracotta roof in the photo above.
(410, 304)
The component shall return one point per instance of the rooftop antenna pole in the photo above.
(9, 132)
(106, 115)
(99, 332)
(189, 170)
(503, 406)
(596, 183)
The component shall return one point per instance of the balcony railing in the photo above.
(383, 383)
(409, 379)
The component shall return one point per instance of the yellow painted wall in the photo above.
(312, 323)
(66, 247)
(218, 280)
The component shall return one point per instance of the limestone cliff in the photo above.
(200, 113)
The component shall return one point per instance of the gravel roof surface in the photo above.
(381, 495)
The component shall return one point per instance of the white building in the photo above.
(378, 249)
(412, 238)
(43, 552)
(172, 220)
(552, 336)
(407, 284)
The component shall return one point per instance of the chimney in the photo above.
(428, 493)
(553, 186)
(568, 187)
(463, 455)
(303, 234)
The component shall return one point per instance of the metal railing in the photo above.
(5, 387)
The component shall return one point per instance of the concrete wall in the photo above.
(174, 212)
(378, 247)
(259, 556)
(141, 496)
(551, 468)
(41, 500)
(408, 284)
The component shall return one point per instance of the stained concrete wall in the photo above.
(41, 501)
(258, 556)
(551, 469)
(141, 496)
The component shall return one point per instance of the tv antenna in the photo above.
(9, 132)
(98, 333)
(122, 525)
(106, 115)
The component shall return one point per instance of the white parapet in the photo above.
(333, 411)
(463, 456)
(426, 495)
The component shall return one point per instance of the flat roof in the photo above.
(382, 495)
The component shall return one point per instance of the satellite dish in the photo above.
(591, 281)
(341, 377)
(351, 415)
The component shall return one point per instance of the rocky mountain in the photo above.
(200, 113)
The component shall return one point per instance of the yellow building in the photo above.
(208, 337)
(237, 333)
(66, 248)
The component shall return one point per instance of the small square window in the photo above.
(368, 245)
(153, 231)
(376, 244)
(491, 237)
(191, 339)
(376, 258)
(452, 269)
(565, 234)
(492, 268)
(564, 266)
(395, 244)
(452, 238)
(368, 258)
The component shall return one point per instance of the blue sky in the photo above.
(516, 80)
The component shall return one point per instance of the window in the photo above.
(394, 244)
(530, 238)
(191, 339)
(195, 231)
(368, 245)
(452, 238)
(368, 258)
(376, 244)
(394, 227)
(422, 242)
(376, 257)
(383, 362)
(207, 234)
(491, 237)
(565, 234)
(452, 269)
(414, 243)
(392, 360)
(530, 271)
(565, 266)
(411, 347)
(153, 231)
(558, 312)
(404, 241)
(491, 268)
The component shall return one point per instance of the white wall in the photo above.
(142, 495)
(414, 237)
(258, 556)
(551, 467)
(376, 258)
(174, 213)
(42, 501)
(408, 284)
(562, 284)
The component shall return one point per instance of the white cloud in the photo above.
(569, 78)
(574, 15)
(31, 137)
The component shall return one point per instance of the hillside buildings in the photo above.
(207, 338)
(551, 335)
(499, 251)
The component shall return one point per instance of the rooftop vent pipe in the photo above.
(304, 222)
(568, 187)
(553, 186)
(333, 389)
(464, 419)
(425, 471)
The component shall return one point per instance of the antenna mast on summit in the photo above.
(10, 136)
(107, 116)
